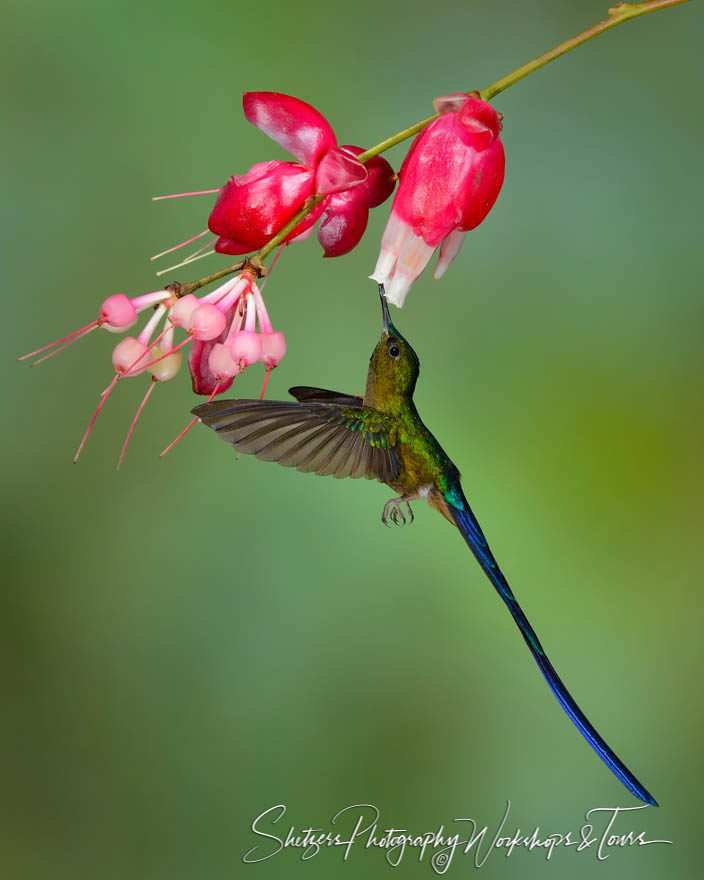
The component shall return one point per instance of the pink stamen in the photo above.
(266, 382)
(177, 246)
(192, 256)
(200, 192)
(273, 263)
(71, 336)
(62, 347)
(150, 326)
(141, 406)
(189, 425)
(264, 322)
(236, 326)
(216, 295)
(184, 262)
(103, 398)
(250, 306)
(166, 354)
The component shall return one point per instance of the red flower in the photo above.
(449, 181)
(253, 207)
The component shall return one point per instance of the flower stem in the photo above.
(618, 14)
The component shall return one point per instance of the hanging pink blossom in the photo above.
(220, 327)
(449, 182)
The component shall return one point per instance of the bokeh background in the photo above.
(196, 639)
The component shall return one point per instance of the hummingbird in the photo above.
(381, 436)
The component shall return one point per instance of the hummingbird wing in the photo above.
(306, 394)
(328, 439)
(461, 512)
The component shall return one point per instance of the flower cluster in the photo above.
(220, 327)
(449, 181)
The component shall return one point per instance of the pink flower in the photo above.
(220, 327)
(449, 181)
(253, 207)
(345, 214)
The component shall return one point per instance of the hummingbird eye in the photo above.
(394, 351)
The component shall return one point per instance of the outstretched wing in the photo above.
(322, 438)
(306, 394)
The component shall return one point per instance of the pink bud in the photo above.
(124, 355)
(117, 313)
(221, 363)
(207, 322)
(183, 309)
(246, 348)
(167, 367)
(273, 348)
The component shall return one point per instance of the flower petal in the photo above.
(338, 170)
(231, 247)
(203, 379)
(403, 257)
(253, 207)
(431, 181)
(295, 125)
(449, 249)
(380, 181)
(447, 182)
(479, 123)
(450, 103)
(343, 225)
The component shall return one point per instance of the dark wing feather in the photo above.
(306, 394)
(329, 439)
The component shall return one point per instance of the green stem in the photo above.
(618, 14)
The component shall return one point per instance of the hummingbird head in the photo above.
(393, 367)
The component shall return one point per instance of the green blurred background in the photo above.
(195, 639)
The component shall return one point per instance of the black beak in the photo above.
(384, 309)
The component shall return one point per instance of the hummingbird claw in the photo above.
(393, 511)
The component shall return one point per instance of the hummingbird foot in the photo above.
(393, 511)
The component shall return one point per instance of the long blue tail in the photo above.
(473, 535)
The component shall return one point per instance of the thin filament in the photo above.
(141, 406)
(167, 353)
(266, 382)
(177, 246)
(184, 262)
(273, 263)
(131, 367)
(201, 248)
(189, 425)
(58, 341)
(103, 398)
(200, 192)
(62, 347)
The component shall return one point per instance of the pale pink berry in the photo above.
(246, 348)
(207, 322)
(221, 363)
(128, 357)
(273, 348)
(117, 313)
(183, 309)
(164, 368)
